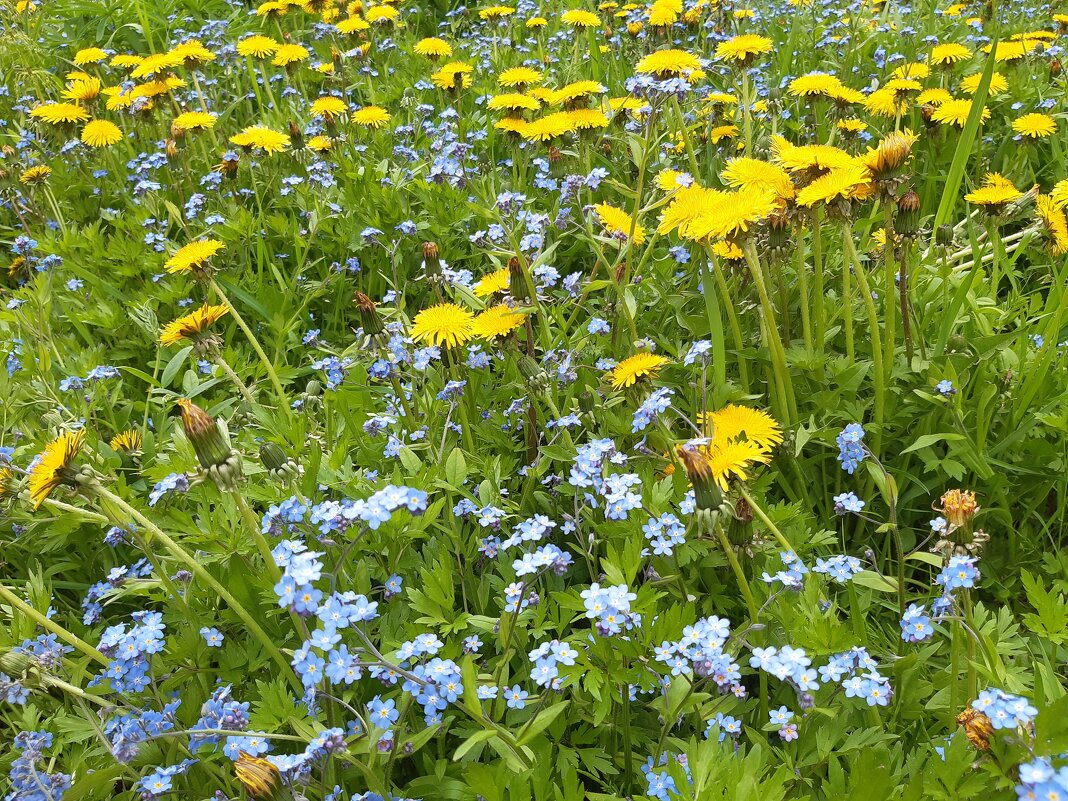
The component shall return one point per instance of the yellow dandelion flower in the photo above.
(128, 441)
(258, 776)
(721, 132)
(999, 84)
(371, 117)
(352, 25)
(754, 173)
(950, 53)
(445, 324)
(548, 127)
(1059, 193)
(272, 8)
(433, 47)
(454, 75)
(955, 112)
(513, 125)
(89, 55)
(35, 175)
(573, 91)
(851, 125)
(193, 325)
(329, 107)
(640, 365)
(495, 12)
(125, 60)
(57, 113)
(891, 154)
(287, 54)
(743, 48)
(618, 224)
(52, 465)
(662, 15)
(995, 191)
(381, 15)
(902, 85)
(519, 76)
(257, 46)
(191, 52)
(536, 22)
(914, 69)
(813, 84)
(492, 283)
(799, 158)
(1053, 221)
(155, 64)
(672, 63)
(1035, 126)
(733, 459)
(579, 18)
(260, 137)
(842, 183)
(83, 89)
(585, 119)
(320, 144)
(669, 180)
(497, 321)
(728, 251)
(514, 102)
(193, 256)
(101, 133)
(194, 121)
(935, 96)
(734, 422)
(885, 102)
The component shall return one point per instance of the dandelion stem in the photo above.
(268, 365)
(45, 623)
(775, 346)
(201, 572)
(759, 512)
(853, 259)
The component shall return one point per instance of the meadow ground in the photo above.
(533, 403)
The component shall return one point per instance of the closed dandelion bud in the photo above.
(14, 663)
(228, 166)
(907, 219)
(517, 280)
(634, 28)
(778, 231)
(296, 135)
(555, 155)
(1055, 65)
(314, 389)
(272, 456)
(740, 532)
(706, 492)
(431, 259)
(530, 369)
(177, 132)
(208, 441)
(977, 727)
(259, 777)
(944, 236)
(369, 316)
(171, 148)
(621, 271)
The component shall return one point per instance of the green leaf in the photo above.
(174, 365)
(456, 468)
(930, 439)
(875, 581)
(965, 145)
(477, 738)
(541, 722)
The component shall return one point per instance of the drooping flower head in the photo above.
(53, 465)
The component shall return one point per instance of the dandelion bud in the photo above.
(977, 727)
(635, 28)
(621, 271)
(15, 663)
(707, 493)
(907, 220)
(314, 389)
(517, 280)
(369, 317)
(555, 155)
(277, 463)
(944, 236)
(204, 433)
(431, 259)
(778, 231)
(296, 135)
(1055, 66)
(259, 777)
(171, 148)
